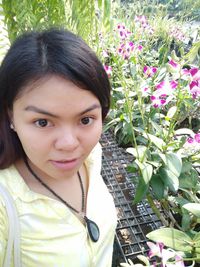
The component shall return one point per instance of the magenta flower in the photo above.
(173, 64)
(108, 70)
(193, 75)
(149, 71)
(178, 262)
(195, 72)
(142, 20)
(164, 254)
(177, 34)
(195, 83)
(157, 102)
(190, 140)
(165, 88)
(164, 93)
(140, 47)
(197, 137)
(158, 250)
(145, 91)
(126, 49)
(123, 31)
(143, 23)
(192, 143)
(195, 89)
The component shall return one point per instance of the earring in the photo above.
(12, 126)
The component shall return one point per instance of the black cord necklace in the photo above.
(92, 227)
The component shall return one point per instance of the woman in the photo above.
(54, 95)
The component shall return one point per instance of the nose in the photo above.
(67, 140)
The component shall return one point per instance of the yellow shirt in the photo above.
(51, 235)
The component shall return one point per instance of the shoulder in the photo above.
(3, 219)
(93, 162)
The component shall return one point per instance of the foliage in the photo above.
(4, 41)
(83, 17)
(156, 92)
(22, 15)
(161, 257)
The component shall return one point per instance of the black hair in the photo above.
(35, 55)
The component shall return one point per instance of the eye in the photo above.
(86, 120)
(42, 123)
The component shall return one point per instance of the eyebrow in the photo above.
(44, 112)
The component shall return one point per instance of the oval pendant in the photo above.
(93, 229)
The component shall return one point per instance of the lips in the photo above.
(64, 160)
(65, 164)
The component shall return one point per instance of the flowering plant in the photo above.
(158, 256)
(152, 114)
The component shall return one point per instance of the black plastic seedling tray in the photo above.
(134, 221)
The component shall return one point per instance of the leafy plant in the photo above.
(155, 96)
(86, 18)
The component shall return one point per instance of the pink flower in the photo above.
(164, 93)
(142, 22)
(158, 250)
(157, 102)
(197, 137)
(145, 91)
(126, 49)
(176, 33)
(165, 88)
(195, 89)
(149, 71)
(173, 63)
(123, 31)
(190, 140)
(193, 142)
(104, 54)
(173, 84)
(140, 47)
(193, 72)
(108, 70)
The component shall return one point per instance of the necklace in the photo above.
(92, 227)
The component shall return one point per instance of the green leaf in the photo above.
(190, 183)
(171, 171)
(143, 259)
(141, 191)
(172, 238)
(157, 186)
(169, 179)
(158, 142)
(186, 167)
(196, 240)
(171, 112)
(174, 163)
(146, 171)
(194, 208)
(185, 221)
(137, 153)
(184, 131)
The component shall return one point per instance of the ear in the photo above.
(10, 117)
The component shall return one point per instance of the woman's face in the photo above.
(58, 125)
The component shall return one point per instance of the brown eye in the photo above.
(86, 120)
(41, 123)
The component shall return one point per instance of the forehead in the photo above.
(54, 92)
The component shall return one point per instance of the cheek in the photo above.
(92, 138)
(31, 143)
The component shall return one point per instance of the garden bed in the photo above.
(134, 221)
